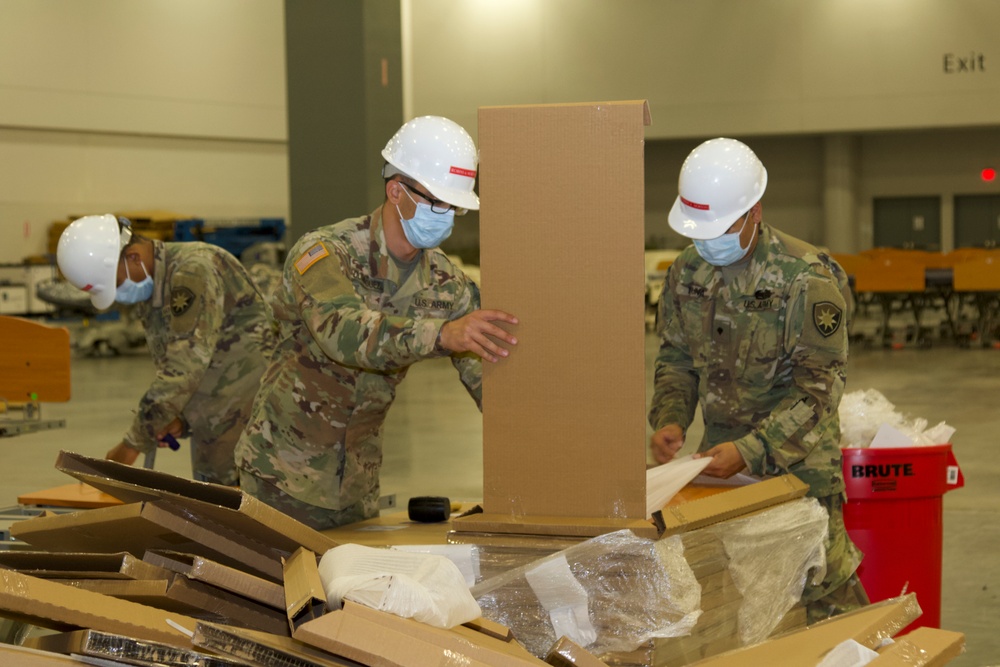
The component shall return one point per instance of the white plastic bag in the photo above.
(425, 587)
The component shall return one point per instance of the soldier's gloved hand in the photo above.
(471, 333)
(726, 460)
(122, 453)
(666, 442)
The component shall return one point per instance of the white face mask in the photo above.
(130, 292)
(726, 249)
(426, 229)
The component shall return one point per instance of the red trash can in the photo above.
(894, 516)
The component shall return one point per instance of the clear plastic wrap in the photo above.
(635, 589)
(863, 413)
(770, 556)
(739, 581)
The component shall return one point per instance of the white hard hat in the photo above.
(440, 155)
(720, 181)
(88, 255)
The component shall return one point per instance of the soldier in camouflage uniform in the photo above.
(210, 334)
(360, 301)
(753, 326)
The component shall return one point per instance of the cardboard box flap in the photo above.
(261, 648)
(227, 578)
(736, 502)
(561, 438)
(54, 565)
(868, 626)
(221, 504)
(54, 605)
(927, 647)
(108, 646)
(305, 598)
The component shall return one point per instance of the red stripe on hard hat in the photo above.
(88, 287)
(471, 173)
(691, 204)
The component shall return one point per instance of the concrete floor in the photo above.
(433, 436)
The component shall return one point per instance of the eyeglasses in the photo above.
(437, 206)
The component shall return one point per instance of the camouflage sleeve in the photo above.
(816, 344)
(346, 329)
(470, 366)
(196, 306)
(675, 381)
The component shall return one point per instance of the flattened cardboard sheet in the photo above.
(60, 607)
(29, 657)
(216, 574)
(928, 647)
(562, 237)
(377, 638)
(220, 505)
(264, 649)
(867, 626)
(53, 565)
(735, 502)
(139, 526)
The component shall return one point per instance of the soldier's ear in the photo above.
(393, 191)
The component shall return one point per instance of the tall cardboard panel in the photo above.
(561, 238)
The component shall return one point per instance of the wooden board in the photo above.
(77, 494)
(34, 365)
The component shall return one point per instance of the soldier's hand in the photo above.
(174, 428)
(726, 460)
(471, 333)
(123, 453)
(666, 442)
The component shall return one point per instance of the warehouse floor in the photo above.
(433, 433)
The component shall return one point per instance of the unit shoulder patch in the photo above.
(315, 253)
(827, 318)
(181, 300)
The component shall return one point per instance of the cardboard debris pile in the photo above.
(163, 606)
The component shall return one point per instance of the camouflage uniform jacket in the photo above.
(351, 325)
(210, 334)
(765, 354)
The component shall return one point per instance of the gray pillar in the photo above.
(345, 100)
(841, 159)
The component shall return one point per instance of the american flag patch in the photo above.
(310, 257)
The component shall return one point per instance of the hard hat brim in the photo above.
(103, 299)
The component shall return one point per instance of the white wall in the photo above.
(112, 105)
(736, 67)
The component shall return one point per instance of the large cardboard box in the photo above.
(562, 237)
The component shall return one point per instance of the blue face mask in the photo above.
(130, 292)
(726, 249)
(426, 229)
